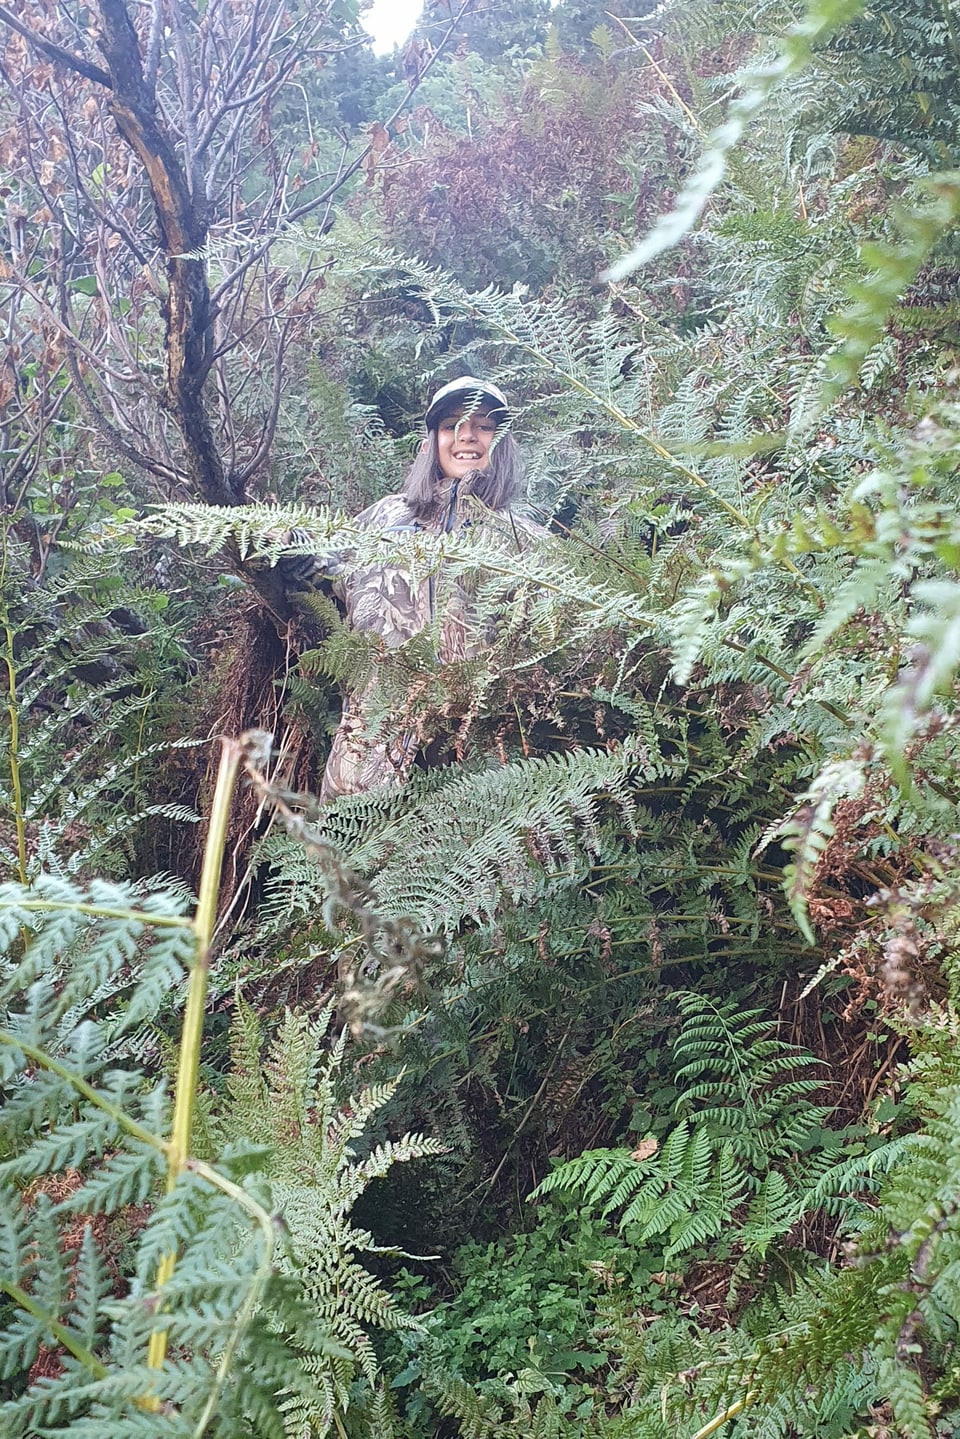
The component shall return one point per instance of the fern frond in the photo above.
(516, 828)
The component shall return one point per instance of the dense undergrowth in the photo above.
(650, 971)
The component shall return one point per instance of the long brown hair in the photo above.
(495, 486)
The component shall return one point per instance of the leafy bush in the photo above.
(241, 1300)
(677, 930)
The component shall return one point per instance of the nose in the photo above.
(466, 428)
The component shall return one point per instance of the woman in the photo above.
(467, 472)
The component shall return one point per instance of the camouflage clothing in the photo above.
(382, 600)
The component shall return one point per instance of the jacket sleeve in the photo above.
(328, 572)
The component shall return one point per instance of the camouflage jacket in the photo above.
(383, 600)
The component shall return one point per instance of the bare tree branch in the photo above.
(259, 456)
(110, 433)
(178, 142)
(182, 220)
(154, 36)
(56, 52)
(356, 164)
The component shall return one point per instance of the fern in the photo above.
(892, 271)
(88, 661)
(267, 1325)
(822, 17)
(547, 809)
(750, 1120)
(747, 637)
(896, 78)
(317, 1175)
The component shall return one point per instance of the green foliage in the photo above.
(749, 1143)
(523, 1311)
(810, 1351)
(893, 270)
(88, 661)
(693, 865)
(267, 1318)
(896, 73)
(289, 1100)
(821, 19)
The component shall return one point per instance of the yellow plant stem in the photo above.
(726, 1416)
(102, 911)
(13, 756)
(188, 1069)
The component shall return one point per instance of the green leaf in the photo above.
(821, 19)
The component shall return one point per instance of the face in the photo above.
(464, 441)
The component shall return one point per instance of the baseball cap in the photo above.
(467, 387)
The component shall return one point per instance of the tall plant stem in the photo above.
(188, 1068)
(726, 1416)
(13, 710)
(13, 754)
(255, 1211)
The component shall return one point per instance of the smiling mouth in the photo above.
(466, 455)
